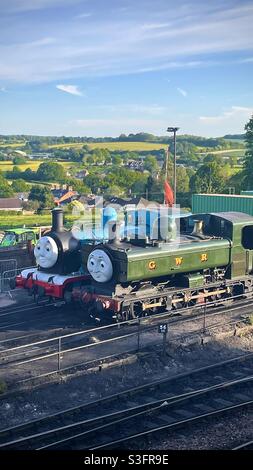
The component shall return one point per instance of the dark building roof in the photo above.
(10, 203)
(108, 200)
(58, 193)
(130, 201)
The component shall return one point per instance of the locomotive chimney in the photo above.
(57, 220)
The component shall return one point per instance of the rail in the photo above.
(84, 348)
(162, 404)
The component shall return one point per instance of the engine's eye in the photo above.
(92, 263)
(102, 264)
(48, 249)
(38, 247)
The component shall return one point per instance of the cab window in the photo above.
(247, 237)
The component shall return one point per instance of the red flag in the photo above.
(168, 194)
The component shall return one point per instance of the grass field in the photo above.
(235, 152)
(14, 145)
(124, 146)
(18, 221)
(33, 164)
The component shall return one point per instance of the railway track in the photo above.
(186, 314)
(34, 321)
(41, 357)
(132, 414)
(14, 309)
(11, 351)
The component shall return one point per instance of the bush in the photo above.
(13, 213)
(19, 160)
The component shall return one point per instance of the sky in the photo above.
(106, 67)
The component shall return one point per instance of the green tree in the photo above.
(208, 179)
(233, 161)
(80, 186)
(183, 180)
(19, 185)
(51, 171)
(237, 182)
(116, 160)
(43, 196)
(210, 157)
(31, 205)
(151, 164)
(5, 189)
(19, 160)
(114, 190)
(154, 189)
(248, 162)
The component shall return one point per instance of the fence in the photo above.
(91, 347)
(9, 273)
(8, 270)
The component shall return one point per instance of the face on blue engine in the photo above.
(100, 266)
(46, 252)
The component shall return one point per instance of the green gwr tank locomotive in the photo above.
(210, 259)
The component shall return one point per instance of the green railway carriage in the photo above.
(211, 258)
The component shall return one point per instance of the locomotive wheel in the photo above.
(180, 302)
(67, 295)
(191, 302)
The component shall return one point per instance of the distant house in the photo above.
(19, 153)
(125, 202)
(23, 196)
(81, 174)
(100, 201)
(10, 204)
(135, 165)
(65, 195)
(90, 202)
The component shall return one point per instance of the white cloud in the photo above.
(151, 39)
(230, 121)
(182, 92)
(3, 89)
(72, 89)
(233, 112)
(16, 6)
(83, 15)
(155, 26)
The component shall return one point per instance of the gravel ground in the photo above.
(182, 356)
(84, 387)
(216, 433)
(14, 298)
